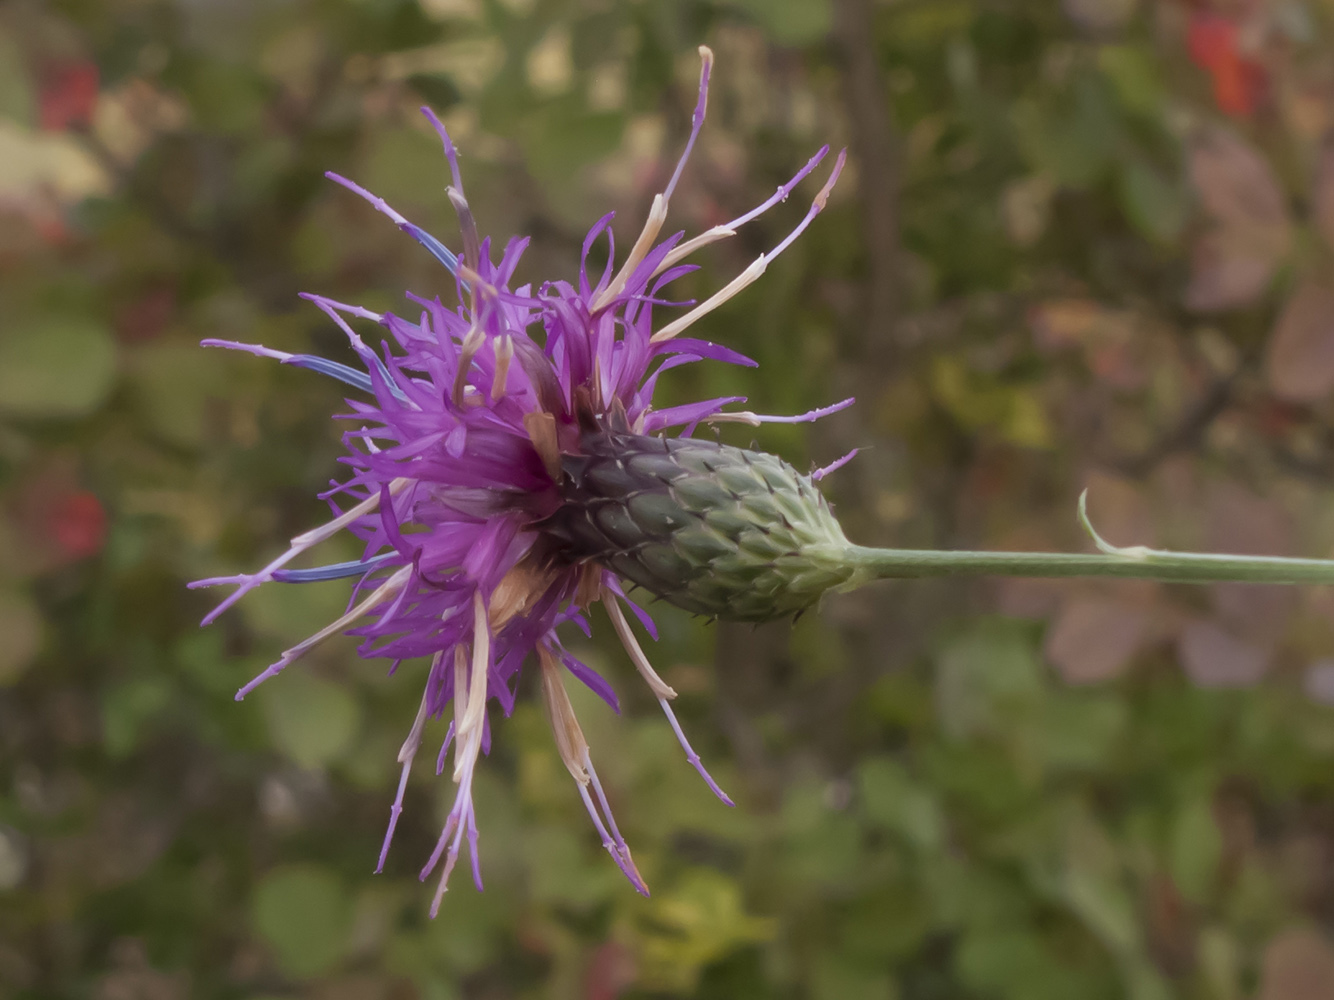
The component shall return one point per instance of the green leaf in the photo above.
(56, 367)
(172, 383)
(312, 721)
(566, 871)
(1106, 909)
(892, 800)
(837, 979)
(986, 674)
(227, 97)
(1080, 731)
(407, 167)
(128, 708)
(1013, 411)
(928, 25)
(1196, 849)
(304, 915)
(1134, 76)
(436, 89)
(791, 22)
(1073, 136)
(1154, 205)
(1016, 963)
(562, 139)
(696, 922)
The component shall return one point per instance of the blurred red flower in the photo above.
(77, 523)
(1238, 79)
(67, 95)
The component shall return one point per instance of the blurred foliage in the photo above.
(1083, 243)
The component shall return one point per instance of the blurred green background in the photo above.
(1080, 244)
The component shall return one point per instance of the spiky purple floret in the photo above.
(471, 408)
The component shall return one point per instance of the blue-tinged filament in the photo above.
(334, 571)
(438, 250)
(333, 369)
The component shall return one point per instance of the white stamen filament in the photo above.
(757, 268)
(658, 212)
(504, 355)
(705, 238)
(541, 428)
(316, 535)
(659, 687)
(481, 654)
(386, 590)
(570, 742)
(472, 243)
(736, 417)
(657, 215)
(573, 750)
(661, 690)
(460, 694)
(736, 285)
(469, 716)
(472, 343)
(299, 544)
(755, 419)
(406, 754)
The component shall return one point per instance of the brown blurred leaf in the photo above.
(359, 986)
(1026, 208)
(1059, 323)
(1319, 682)
(1232, 263)
(1239, 521)
(1300, 362)
(610, 970)
(1111, 339)
(1235, 183)
(1243, 523)
(1227, 272)
(1214, 658)
(1322, 194)
(1093, 639)
(133, 978)
(1298, 965)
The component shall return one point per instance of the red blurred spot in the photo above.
(77, 523)
(147, 316)
(1239, 80)
(50, 228)
(610, 971)
(1276, 418)
(67, 95)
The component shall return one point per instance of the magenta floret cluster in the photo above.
(455, 450)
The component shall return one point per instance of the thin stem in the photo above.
(1135, 564)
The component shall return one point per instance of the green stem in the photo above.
(1133, 563)
(1175, 567)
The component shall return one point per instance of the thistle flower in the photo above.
(506, 477)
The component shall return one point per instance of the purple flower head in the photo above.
(456, 461)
